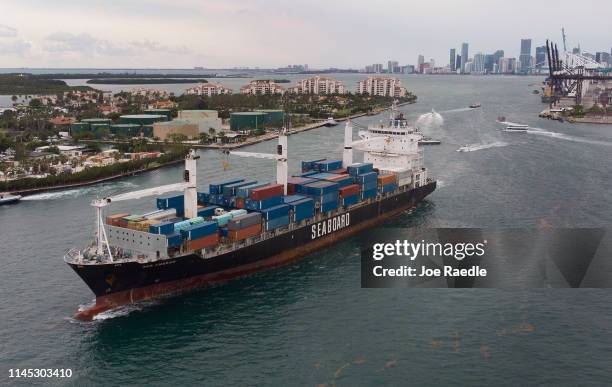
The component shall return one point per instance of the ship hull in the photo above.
(117, 284)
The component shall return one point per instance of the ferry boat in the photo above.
(238, 227)
(7, 198)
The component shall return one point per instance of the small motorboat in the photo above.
(429, 141)
(516, 128)
(331, 122)
(7, 198)
(475, 105)
(501, 119)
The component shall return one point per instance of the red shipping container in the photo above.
(239, 202)
(266, 192)
(113, 220)
(247, 232)
(204, 242)
(349, 190)
(386, 179)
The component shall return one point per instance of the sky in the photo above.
(275, 33)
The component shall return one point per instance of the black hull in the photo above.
(119, 282)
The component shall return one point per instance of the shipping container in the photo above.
(388, 187)
(161, 214)
(294, 181)
(365, 178)
(239, 202)
(306, 174)
(322, 176)
(359, 168)
(302, 209)
(203, 242)
(263, 204)
(196, 220)
(349, 190)
(368, 194)
(199, 230)
(309, 165)
(243, 221)
(178, 226)
(207, 211)
(162, 228)
(385, 179)
(275, 212)
(324, 166)
(203, 198)
(276, 223)
(243, 233)
(321, 188)
(340, 171)
(244, 191)
(328, 206)
(350, 200)
(113, 220)
(231, 189)
(341, 180)
(266, 192)
(369, 185)
(223, 219)
(238, 212)
(217, 188)
(174, 239)
(293, 198)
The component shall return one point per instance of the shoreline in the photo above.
(33, 191)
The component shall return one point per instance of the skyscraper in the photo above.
(479, 63)
(391, 66)
(525, 58)
(540, 59)
(464, 56)
(420, 62)
(452, 60)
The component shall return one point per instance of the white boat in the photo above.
(331, 122)
(517, 128)
(7, 198)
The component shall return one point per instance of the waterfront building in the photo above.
(540, 58)
(208, 89)
(452, 60)
(392, 67)
(458, 64)
(479, 63)
(525, 57)
(468, 67)
(507, 65)
(262, 86)
(464, 56)
(408, 69)
(381, 86)
(420, 62)
(318, 85)
(374, 68)
(489, 63)
(164, 130)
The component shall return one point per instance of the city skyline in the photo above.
(217, 34)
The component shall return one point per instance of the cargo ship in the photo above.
(241, 226)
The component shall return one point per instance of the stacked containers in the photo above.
(201, 235)
(367, 181)
(295, 185)
(276, 216)
(310, 165)
(386, 183)
(162, 228)
(293, 198)
(264, 197)
(177, 202)
(244, 226)
(325, 166)
(324, 193)
(349, 194)
(217, 188)
(301, 209)
(359, 168)
(306, 174)
(232, 189)
(174, 239)
(113, 220)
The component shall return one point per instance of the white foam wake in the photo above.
(477, 147)
(76, 192)
(561, 136)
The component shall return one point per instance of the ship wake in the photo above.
(477, 147)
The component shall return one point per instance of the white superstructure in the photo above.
(393, 148)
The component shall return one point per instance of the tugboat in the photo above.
(331, 122)
(7, 198)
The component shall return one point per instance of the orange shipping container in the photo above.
(239, 202)
(386, 179)
(349, 190)
(238, 235)
(113, 220)
(204, 242)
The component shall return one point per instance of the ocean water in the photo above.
(310, 323)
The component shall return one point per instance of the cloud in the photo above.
(151, 45)
(7, 32)
(15, 46)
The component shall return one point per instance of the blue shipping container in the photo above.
(207, 211)
(162, 228)
(324, 166)
(199, 230)
(321, 188)
(368, 194)
(275, 212)
(322, 176)
(365, 177)
(329, 206)
(293, 198)
(174, 239)
(306, 174)
(309, 165)
(244, 191)
(350, 200)
(359, 168)
(232, 189)
(302, 209)
(263, 204)
(202, 198)
(369, 185)
(276, 223)
(388, 187)
(217, 188)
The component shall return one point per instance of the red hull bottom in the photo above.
(112, 301)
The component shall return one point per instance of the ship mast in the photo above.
(347, 155)
(282, 168)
